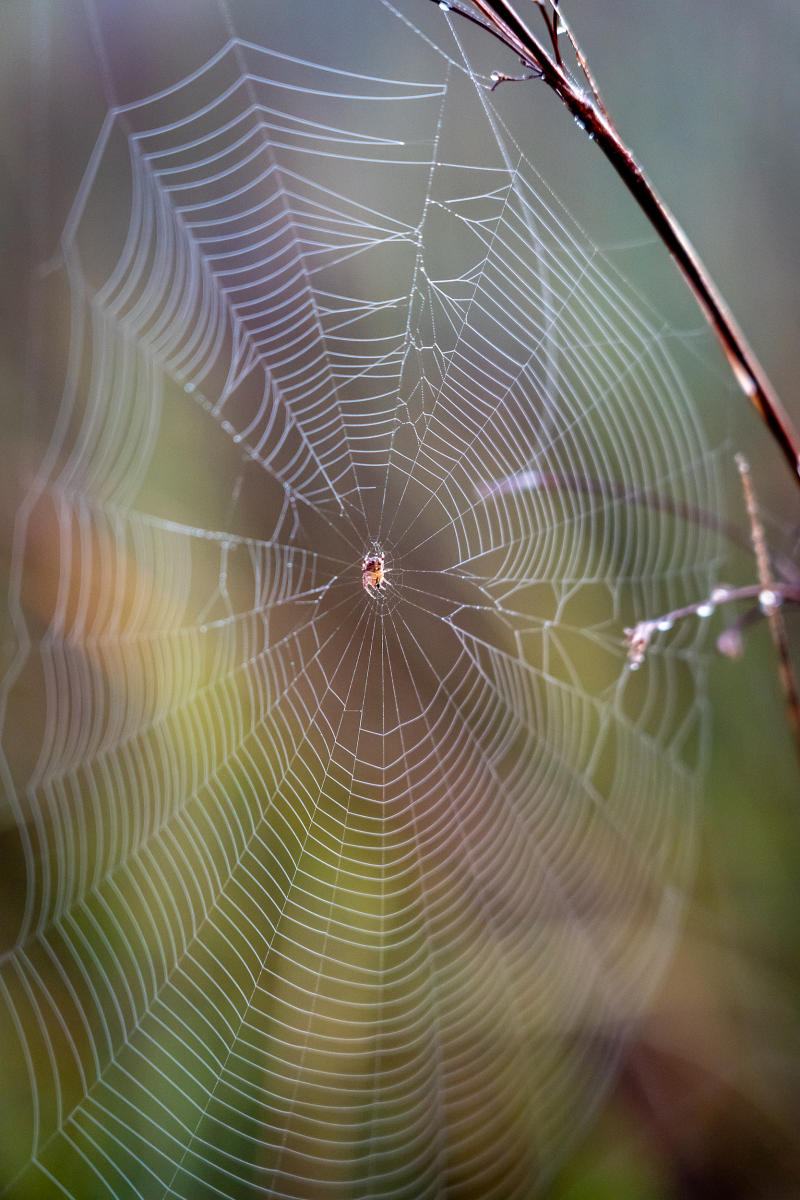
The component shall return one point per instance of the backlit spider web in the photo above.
(326, 893)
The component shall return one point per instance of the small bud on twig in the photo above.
(637, 640)
(730, 643)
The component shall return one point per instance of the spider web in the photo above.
(330, 893)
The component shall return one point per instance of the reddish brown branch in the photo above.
(501, 19)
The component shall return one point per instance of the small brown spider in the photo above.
(372, 574)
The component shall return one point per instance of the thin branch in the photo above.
(609, 489)
(580, 58)
(772, 612)
(501, 19)
(552, 28)
(770, 597)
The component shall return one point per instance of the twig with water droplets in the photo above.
(770, 598)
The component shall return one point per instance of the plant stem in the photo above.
(609, 489)
(777, 626)
(500, 18)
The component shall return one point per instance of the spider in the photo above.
(372, 574)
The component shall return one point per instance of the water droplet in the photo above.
(188, 387)
(579, 123)
(634, 666)
(665, 624)
(705, 610)
(719, 595)
(769, 600)
(444, 7)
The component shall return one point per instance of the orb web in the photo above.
(332, 890)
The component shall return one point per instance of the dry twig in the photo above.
(504, 22)
(773, 613)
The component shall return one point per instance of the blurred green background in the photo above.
(708, 96)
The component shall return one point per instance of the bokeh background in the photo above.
(707, 95)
